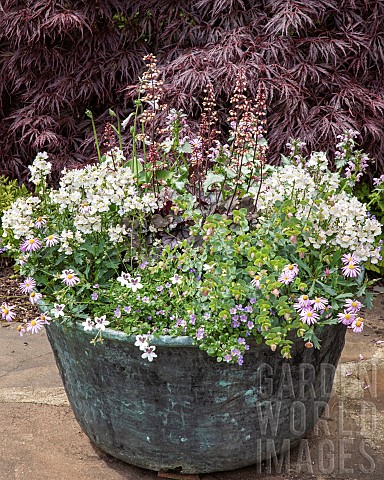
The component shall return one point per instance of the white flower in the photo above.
(142, 341)
(39, 168)
(58, 310)
(149, 353)
(88, 324)
(135, 284)
(101, 322)
(124, 279)
(176, 279)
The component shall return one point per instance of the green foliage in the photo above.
(9, 191)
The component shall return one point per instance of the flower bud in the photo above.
(309, 345)
(273, 347)
(293, 239)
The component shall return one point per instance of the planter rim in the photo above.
(110, 334)
(160, 341)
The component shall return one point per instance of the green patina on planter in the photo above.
(187, 411)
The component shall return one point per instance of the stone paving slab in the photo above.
(41, 440)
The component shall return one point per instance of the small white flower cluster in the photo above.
(148, 350)
(40, 168)
(336, 218)
(94, 191)
(95, 199)
(19, 217)
(99, 323)
(126, 280)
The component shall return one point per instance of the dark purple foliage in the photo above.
(321, 63)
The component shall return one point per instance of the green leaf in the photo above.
(302, 265)
(327, 288)
(211, 179)
(136, 166)
(344, 295)
(369, 299)
(164, 174)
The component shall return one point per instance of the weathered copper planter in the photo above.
(184, 410)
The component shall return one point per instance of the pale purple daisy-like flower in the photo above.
(303, 302)
(159, 288)
(256, 281)
(58, 310)
(7, 313)
(21, 329)
(69, 278)
(192, 319)
(101, 322)
(142, 341)
(309, 316)
(28, 285)
(250, 324)
(35, 326)
(88, 324)
(228, 358)
(94, 295)
(127, 309)
(286, 278)
(351, 270)
(291, 268)
(34, 297)
(352, 306)
(30, 245)
(51, 240)
(346, 318)
(45, 318)
(358, 325)
(117, 312)
(349, 258)
(319, 304)
(149, 353)
(40, 222)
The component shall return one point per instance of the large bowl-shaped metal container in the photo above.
(185, 411)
